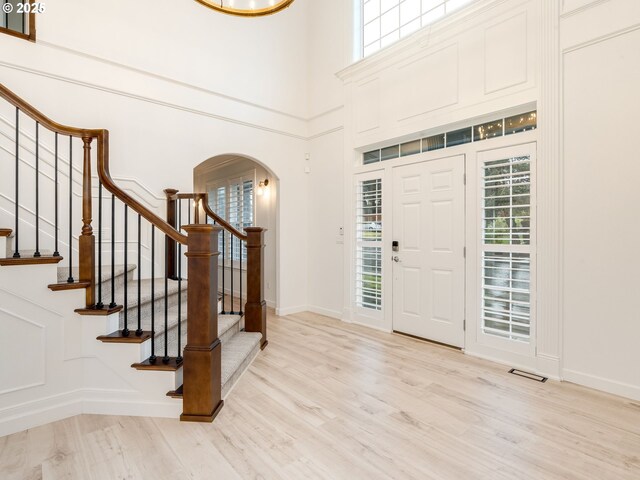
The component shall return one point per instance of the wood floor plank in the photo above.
(330, 400)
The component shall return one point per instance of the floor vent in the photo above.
(530, 376)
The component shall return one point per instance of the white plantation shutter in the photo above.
(218, 203)
(507, 247)
(234, 201)
(369, 244)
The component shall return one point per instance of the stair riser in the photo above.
(173, 335)
(158, 308)
(119, 285)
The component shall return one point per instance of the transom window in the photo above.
(386, 21)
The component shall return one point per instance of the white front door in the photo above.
(428, 268)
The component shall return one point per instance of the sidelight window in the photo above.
(507, 247)
(369, 244)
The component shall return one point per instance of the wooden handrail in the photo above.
(104, 175)
(110, 186)
(204, 198)
(221, 221)
(38, 116)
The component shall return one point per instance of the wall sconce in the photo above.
(263, 187)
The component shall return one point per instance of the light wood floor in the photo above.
(335, 401)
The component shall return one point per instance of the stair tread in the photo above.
(225, 322)
(5, 232)
(29, 260)
(63, 272)
(236, 350)
(145, 291)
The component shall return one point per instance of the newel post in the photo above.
(171, 268)
(255, 312)
(202, 374)
(87, 241)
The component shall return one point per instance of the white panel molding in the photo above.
(549, 207)
(573, 7)
(441, 31)
(444, 62)
(523, 75)
(600, 39)
(155, 101)
(164, 78)
(41, 367)
(367, 102)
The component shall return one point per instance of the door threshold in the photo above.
(415, 337)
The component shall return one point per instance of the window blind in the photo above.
(369, 244)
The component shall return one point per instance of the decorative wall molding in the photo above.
(33, 362)
(443, 30)
(581, 7)
(171, 80)
(147, 99)
(549, 208)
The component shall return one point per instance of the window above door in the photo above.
(387, 21)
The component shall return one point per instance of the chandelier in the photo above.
(247, 8)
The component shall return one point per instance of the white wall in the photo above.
(601, 72)
(330, 31)
(577, 62)
(191, 89)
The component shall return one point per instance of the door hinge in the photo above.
(464, 325)
(464, 252)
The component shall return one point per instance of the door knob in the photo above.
(396, 259)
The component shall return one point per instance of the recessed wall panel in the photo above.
(505, 52)
(426, 84)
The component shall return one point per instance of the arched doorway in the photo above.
(244, 192)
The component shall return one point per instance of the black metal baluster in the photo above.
(56, 253)
(36, 254)
(70, 279)
(125, 330)
(113, 253)
(232, 312)
(16, 252)
(99, 305)
(224, 271)
(179, 356)
(152, 358)
(139, 329)
(240, 312)
(166, 358)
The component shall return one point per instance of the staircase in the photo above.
(152, 282)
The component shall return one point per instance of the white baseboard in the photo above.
(603, 384)
(373, 327)
(281, 312)
(325, 311)
(522, 363)
(76, 402)
(39, 412)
